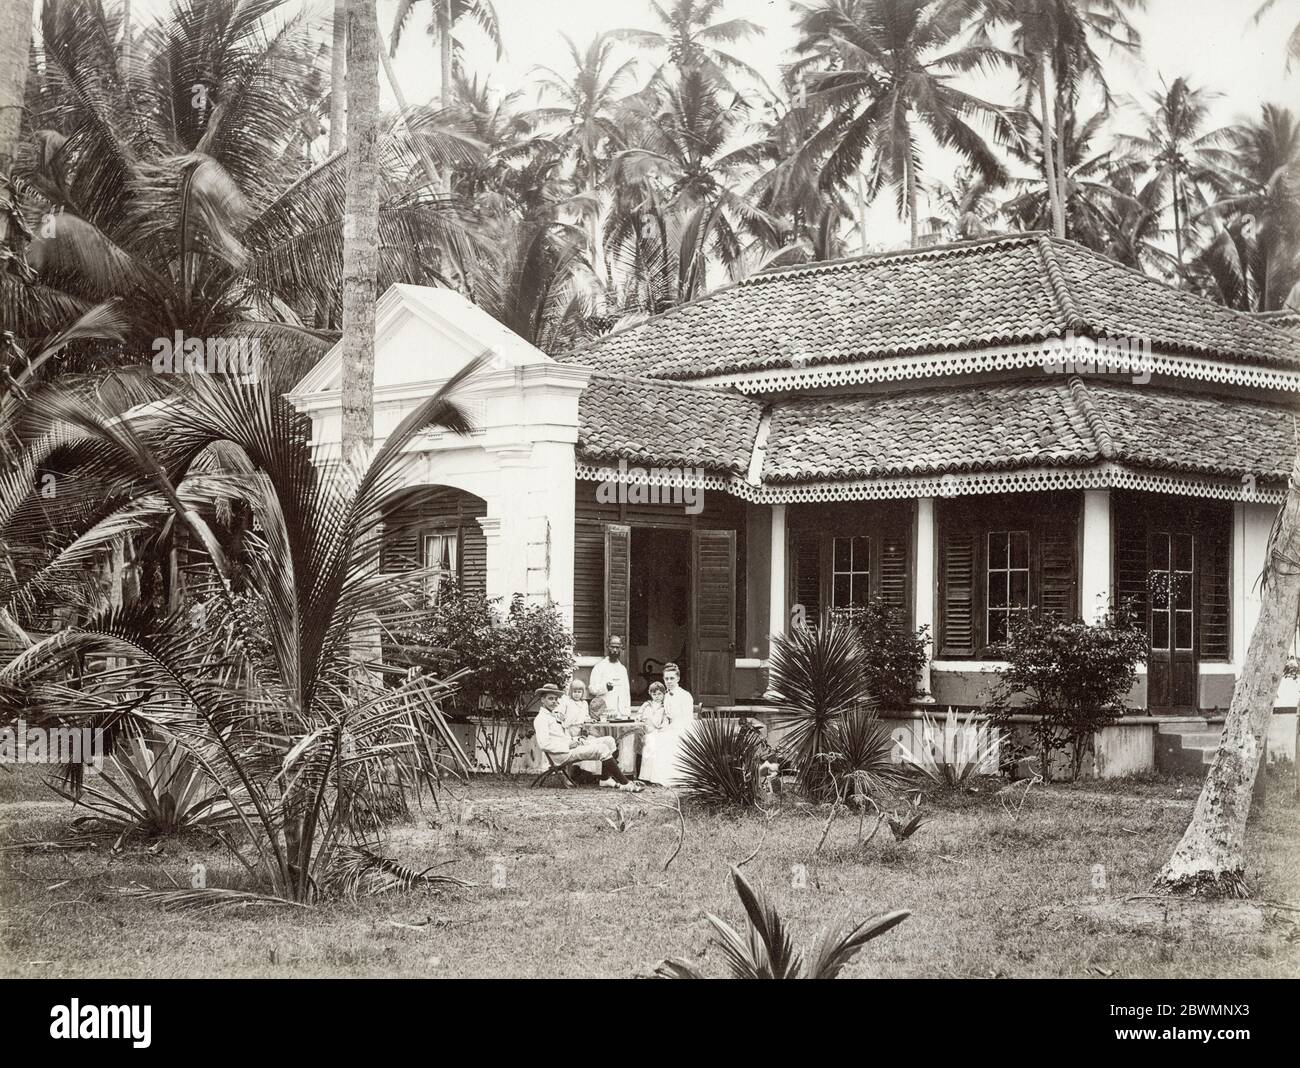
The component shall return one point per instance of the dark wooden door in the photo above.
(1171, 619)
(713, 615)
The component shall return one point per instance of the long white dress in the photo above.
(661, 749)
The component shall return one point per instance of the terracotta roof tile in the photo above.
(666, 423)
(970, 295)
(1009, 426)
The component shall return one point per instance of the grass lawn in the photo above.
(562, 893)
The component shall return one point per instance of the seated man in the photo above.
(555, 740)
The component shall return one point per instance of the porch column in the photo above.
(508, 573)
(776, 609)
(923, 592)
(1095, 569)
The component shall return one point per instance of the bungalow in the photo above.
(967, 431)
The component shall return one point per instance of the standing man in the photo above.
(609, 681)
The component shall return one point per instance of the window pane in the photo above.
(1020, 588)
(840, 595)
(1160, 630)
(997, 627)
(861, 554)
(998, 549)
(1181, 588)
(1159, 585)
(1159, 552)
(1182, 552)
(1019, 544)
(1182, 630)
(997, 589)
(861, 588)
(843, 554)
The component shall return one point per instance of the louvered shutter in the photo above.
(894, 586)
(588, 587)
(958, 577)
(1057, 582)
(399, 551)
(1130, 525)
(618, 579)
(1213, 565)
(806, 577)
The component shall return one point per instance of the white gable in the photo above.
(424, 335)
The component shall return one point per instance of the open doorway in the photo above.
(659, 625)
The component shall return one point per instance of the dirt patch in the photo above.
(1175, 916)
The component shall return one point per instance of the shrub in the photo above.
(718, 763)
(1075, 676)
(861, 756)
(816, 675)
(506, 653)
(770, 953)
(951, 754)
(894, 655)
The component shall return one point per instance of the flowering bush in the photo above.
(1074, 674)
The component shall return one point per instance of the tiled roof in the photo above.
(1020, 288)
(1004, 427)
(1194, 432)
(665, 423)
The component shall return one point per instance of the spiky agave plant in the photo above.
(718, 763)
(769, 951)
(288, 731)
(815, 676)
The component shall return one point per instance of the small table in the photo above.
(626, 735)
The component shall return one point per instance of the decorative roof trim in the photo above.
(1028, 480)
(1080, 355)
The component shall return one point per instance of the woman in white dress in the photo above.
(664, 730)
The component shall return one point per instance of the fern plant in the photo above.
(769, 952)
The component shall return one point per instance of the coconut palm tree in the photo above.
(361, 236)
(1188, 162)
(585, 125)
(691, 40)
(444, 15)
(1252, 260)
(173, 185)
(1086, 192)
(1054, 40)
(685, 164)
(1292, 42)
(966, 207)
(877, 72)
(259, 687)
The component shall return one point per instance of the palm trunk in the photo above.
(909, 177)
(338, 70)
(1210, 858)
(862, 214)
(1049, 169)
(1062, 184)
(444, 49)
(1178, 225)
(361, 226)
(15, 39)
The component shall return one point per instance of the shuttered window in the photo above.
(999, 558)
(835, 569)
(618, 578)
(589, 587)
(806, 577)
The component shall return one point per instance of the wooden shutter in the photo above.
(1130, 525)
(1213, 579)
(958, 581)
(1057, 581)
(894, 586)
(588, 587)
(399, 551)
(714, 586)
(618, 579)
(805, 577)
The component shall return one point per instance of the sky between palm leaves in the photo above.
(1214, 43)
